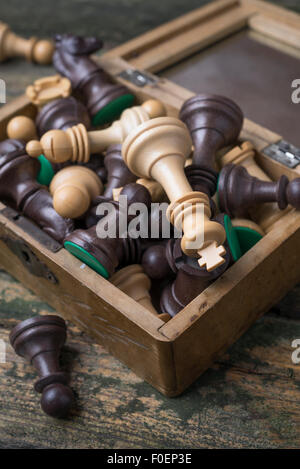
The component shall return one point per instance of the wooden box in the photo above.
(170, 356)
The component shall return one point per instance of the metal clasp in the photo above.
(138, 78)
(283, 152)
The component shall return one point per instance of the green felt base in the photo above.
(113, 110)
(247, 238)
(46, 172)
(86, 257)
(232, 239)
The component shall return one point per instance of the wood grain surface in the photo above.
(249, 398)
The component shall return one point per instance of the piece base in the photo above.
(86, 257)
(232, 239)
(46, 172)
(247, 238)
(113, 109)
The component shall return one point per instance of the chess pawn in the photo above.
(20, 190)
(238, 191)
(61, 114)
(105, 254)
(104, 99)
(133, 281)
(21, 128)
(214, 122)
(73, 188)
(267, 214)
(117, 172)
(40, 340)
(33, 49)
(76, 144)
(157, 150)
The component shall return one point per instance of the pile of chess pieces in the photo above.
(89, 144)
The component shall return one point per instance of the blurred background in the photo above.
(115, 21)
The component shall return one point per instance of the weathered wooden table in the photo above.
(249, 398)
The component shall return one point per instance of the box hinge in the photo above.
(283, 152)
(138, 78)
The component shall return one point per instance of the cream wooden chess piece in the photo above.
(156, 191)
(33, 49)
(157, 150)
(21, 128)
(264, 215)
(133, 281)
(76, 144)
(73, 189)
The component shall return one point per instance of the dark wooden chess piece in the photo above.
(104, 99)
(238, 191)
(19, 190)
(118, 174)
(61, 114)
(190, 280)
(166, 261)
(105, 254)
(214, 122)
(40, 340)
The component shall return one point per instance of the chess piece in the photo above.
(40, 340)
(33, 49)
(133, 281)
(76, 144)
(20, 190)
(154, 188)
(21, 128)
(73, 188)
(157, 150)
(158, 262)
(265, 215)
(47, 89)
(238, 192)
(214, 122)
(190, 279)
(61, 114)
(105, 254)
(117, 172)
(104, 99)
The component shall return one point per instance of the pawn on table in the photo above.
(33, 49)
(76, 144)
(40, 340)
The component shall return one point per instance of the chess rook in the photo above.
(157, 150)
(76, 144)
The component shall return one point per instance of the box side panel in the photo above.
(116, 321)
(224, 311)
